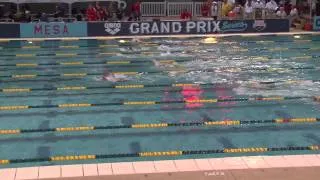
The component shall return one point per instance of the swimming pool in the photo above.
(240, 96)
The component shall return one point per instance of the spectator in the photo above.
(281, 13)
(287, 7)
(120, 12)
(44, 17)
(294, 12)
(238, 9)
(272, 6)
(214, 10)
(60, 11)
(258, 4)
(101, 12)
(136, 13)
(258, 7)
(205, 9)
(91, 13)
(226, 7)
(185, 15)
(248, 10)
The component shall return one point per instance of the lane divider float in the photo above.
(61, 158)
(144, 103)
(237, 123)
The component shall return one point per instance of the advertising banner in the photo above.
(186, 27)
(9, 30)
(316, 23)
(53, 29)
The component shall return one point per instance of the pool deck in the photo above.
(233, 168)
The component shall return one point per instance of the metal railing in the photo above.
(175, 9)
(197, 8)
(153, 9)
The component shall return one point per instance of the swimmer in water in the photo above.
(172, 67)
(109, 76)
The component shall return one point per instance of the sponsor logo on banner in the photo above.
(234, 26)
(316, 24)
(259, 25)
(184, 27)
(53, 29)
(112, 28)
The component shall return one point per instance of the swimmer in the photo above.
(109, 76)
(173, 67)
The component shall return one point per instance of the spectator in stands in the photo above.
(136, 12)
(293, 14)
(91, 13)
(60, 11)
(237, 10)
(281, 13)
(44, 17)
(258, 7)
(120, 12)
(272, 6)
(248, 10)
(205, 9)
(214, 10)
(294, 11)
(287, 7)
(185, 15)
(226, 7)
(101, 12)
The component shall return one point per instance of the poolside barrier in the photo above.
(162, 153)
(237, 123)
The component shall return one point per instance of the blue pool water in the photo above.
(235, 67)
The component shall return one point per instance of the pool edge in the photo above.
(208, 167)
(150, 36)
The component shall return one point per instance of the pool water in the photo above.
(56, 72)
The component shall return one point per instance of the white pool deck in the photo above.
(215, 167)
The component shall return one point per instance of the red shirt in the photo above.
(185, 15)
(205, 10)
(136, 7)
(92, 14)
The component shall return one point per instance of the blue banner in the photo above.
(186, 27)
(9, 30)
(53, 29)
(316, 23)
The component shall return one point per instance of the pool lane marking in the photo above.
(84, 64)
(157, 44)
(142, 52)
(146, 103)
(136, 86)
(161, 153)
(84, 74)
(238, 123)
(74, 63)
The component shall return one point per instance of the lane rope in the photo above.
(161, 153)
(238, 123)
(141, 86)
(85, 74)
(144, 103)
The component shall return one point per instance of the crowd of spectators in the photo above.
(249, 9)
(230, 9)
